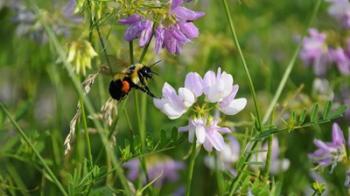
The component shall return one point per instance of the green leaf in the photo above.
(163, 138)
(22, 110)
(302, 117)
(174, 133)
(314, 113)
(337, 113)
(326, 110)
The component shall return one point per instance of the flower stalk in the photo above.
(251, 84)
(191, 167)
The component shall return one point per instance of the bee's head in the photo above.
(146, 72)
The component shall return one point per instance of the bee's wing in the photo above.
(118, 64)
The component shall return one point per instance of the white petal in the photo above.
(209, 78)
(171, 112)
(159, 103)
(194, 82)
(207, 146)
(187, 96)
(216, 140)
(200, 134)
(234, 106)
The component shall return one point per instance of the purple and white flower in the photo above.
(340, 9)
(217, 86)
(138, 28)
(341, 59)
(172, 104)
(226, 157)
(207, 132)
(218, 89)
(330, 153)
(174, 36)
(165, 169)
(174, 30)
(315, 51)
(277, 164)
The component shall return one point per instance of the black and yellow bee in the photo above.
(135, 76)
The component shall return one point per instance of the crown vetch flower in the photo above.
(231, 106)
(226, 157)
(195, 127)
(174, 36)
(340, 58)
(207, 132)
(315, 52)
(217, 86)
(138, 28)
(340, 9)
(174, 27)
(277, 164)
(168, 170)
(172, 104)
(214, 137)
(329, 153)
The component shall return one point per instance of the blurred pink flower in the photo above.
(314, 51)
(340, 9)
(168, 170)
(226, 157)
(340, 58)
(277, 164)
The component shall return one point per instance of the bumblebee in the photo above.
(135, 76)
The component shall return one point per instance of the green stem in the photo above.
(290, 66)
(100, 36)
(41, 159)
(251, 85)
(131, 52)
(190, 168)
(242, 168)
(268, 158)
(87, 138)
(219, 178)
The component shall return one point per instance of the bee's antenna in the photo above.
(155, 63)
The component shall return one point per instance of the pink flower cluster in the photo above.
(172, 37)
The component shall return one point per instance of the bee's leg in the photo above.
(141, 77)
(145, 90)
